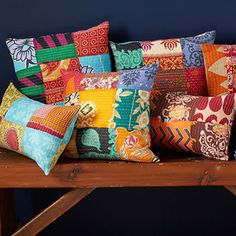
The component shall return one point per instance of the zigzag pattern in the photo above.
(172, 136)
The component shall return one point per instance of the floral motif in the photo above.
(22, 50)
(146, 45)
(221, 130)
(130, 78)
(143, 120)
(170, 44)
(178, 112)
(86, 69)
(130, 141)
(72, 99)
(144, 96)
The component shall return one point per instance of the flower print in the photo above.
(22, 50)
(230, 50)
(146, 45)
(221, 130)
(144, 95)
(151, 72)
(143, 120)
(170, 44)
(72, 99)
(178, 112)
(131, 141)
(130, 78)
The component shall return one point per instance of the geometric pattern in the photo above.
(39, 61)
(121, 127)
(195, 124)
(34, 129)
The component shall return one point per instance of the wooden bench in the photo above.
(83, 177)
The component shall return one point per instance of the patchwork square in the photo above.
(220, 67)
(120, 130)
(34, 129)
(194, 124)
(39, 61)
(179, 59)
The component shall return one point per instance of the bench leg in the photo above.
(8, 222)
(232, 189)
(54, 211)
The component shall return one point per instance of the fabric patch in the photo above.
(128, 55)
(22, 52)
(96, 143)
(95, 64)
(220, 68)
(195, 124)
(39, 62)
(36, 130)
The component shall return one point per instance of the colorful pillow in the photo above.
(181, 61)
(220, 66)
(33, 129)
(38, 61)
(120, 129)
(195, 124)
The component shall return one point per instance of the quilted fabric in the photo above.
(33, 129)
(38, 61)
(181, 62)
(120, 129)
(195, 124)
(220, 66)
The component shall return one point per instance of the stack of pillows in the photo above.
(174, 94)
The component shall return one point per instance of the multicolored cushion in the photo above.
(38, 61)
(120, 129)
(220, 66)
(33, 129)
(195, 124)
(181, 62)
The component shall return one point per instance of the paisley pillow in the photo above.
(195, 124)
(120, 129)
(38, 61)
(181, 61)
(34, 129)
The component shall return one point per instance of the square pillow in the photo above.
(195, 124)
(38, 61)
(220, 67)
(34, 129)
(121, 127)
(181, 61)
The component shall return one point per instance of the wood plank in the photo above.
(232, 189)
(58, 208)
(7, 212)
(177, 169)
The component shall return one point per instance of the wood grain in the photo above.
(58, 208)
(176, 169)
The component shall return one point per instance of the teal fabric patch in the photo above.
(95, 64)
(41, 147)
(22, 110)
(132, 109)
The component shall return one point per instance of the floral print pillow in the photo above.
(181, 62)
(34, 129)
(38, 61)
(121, 127)
(195, 124)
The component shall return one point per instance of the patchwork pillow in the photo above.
(38, 61)
(181, 61)
(220, 66)
(33, 129)
(195, 124)
(120, 129)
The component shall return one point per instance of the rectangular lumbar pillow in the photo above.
(120, 129)
(181, 61)
(38, 61)
(34, 129)
(195, 124)
(220, 66)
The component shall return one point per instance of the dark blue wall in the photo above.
(163, 211)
